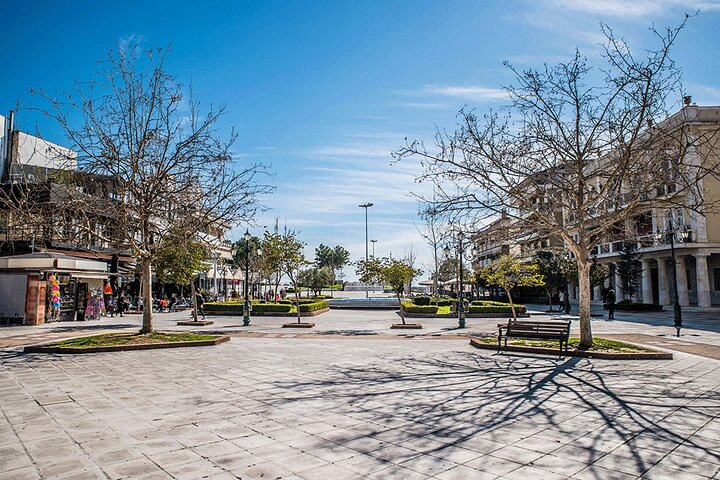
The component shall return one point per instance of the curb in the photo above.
(405, 326)
(575, 353)
(298, 325)
(121, 348)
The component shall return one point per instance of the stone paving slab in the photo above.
(360, 408)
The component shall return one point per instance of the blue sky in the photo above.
(324, 91)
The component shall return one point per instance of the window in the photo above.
(716, 279)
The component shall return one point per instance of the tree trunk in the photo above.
(584, 303)
(297, 303)
(402, 312)
(194, 301)
(512, 305)
(146, 279)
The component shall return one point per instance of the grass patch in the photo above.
(444, 310)
(599, 345)
(115, 339)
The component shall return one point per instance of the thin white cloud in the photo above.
(474, 93)
(425, 105)
(635, 8)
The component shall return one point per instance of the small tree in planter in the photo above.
(316, 278)
(291, 262)
(508, 273)
(627, 269)
(554, 271)
(388, 271)
(178, 261)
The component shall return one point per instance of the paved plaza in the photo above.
(356, 400)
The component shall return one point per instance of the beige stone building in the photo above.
(695, 237)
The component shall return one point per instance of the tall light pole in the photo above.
(373, 241)
(366, 206)
(670, 232)
(246, 307)
(461, 301)
(215, 256)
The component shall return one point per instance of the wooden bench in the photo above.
(559, 331)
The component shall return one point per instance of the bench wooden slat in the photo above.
(535, 330)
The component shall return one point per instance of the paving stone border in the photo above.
(467, 315)
(403, 326)
(656, 355)
(119, 348)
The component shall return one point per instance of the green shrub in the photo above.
(627, 306)
(490, 302)
(410, 307)
(421, 301)
(497, 308)
(223, 307)
(272, 307)
(312, 307)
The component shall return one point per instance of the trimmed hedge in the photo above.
(409, 307)
(422, 301)
(636, 307)
(490, 302)
(312, 307)
(497, 309)
(238, 307)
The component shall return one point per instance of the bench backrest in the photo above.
(560, 328)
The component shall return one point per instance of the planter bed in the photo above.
(192, 323)
(639, 354)
(94, 344)
(298, 325)
(405, 326)
(269, 314)
(467, 315)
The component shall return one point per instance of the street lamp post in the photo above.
(366, 206)
(670, 232)
(246, 306)
(373, 241)
(215, 256)
(461, 301)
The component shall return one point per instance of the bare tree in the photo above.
(150, 160)
(575, 159)
(433, 233)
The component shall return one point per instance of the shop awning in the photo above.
(48, 262)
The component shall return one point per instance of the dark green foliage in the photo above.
(497, 309)
(628, 269)
(409, 307)
(421, 301)
(314, 306)
(628, 306)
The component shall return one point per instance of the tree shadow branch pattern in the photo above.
(459, 397)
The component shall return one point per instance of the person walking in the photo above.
(611, 304)
(121, 303)
(200, 302)
(108, 299)
(566, 305)
(561, 300)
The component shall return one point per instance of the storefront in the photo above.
(44, 287)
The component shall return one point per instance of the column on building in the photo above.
(703, 280)
(646, 281)
(618, 283)
(663, 291)
(597, 294)
(572, 291)
(682, 285)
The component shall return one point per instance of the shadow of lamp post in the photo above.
(670, 233)
(246, 306)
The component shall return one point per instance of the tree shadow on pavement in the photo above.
(456, 398)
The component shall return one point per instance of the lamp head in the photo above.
(247, 235)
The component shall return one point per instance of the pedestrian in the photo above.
(561, 300)
(121, 303)
(611, 304)
(199, 303)
(566, 306)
